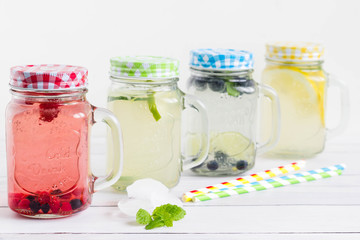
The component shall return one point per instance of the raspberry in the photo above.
(14, 199)
(66, 196)
(54, 204)
(75, 204)
(45, 208)
(44, 197)
(24, 204)
(34, 206)
(65, 207)
(78, 191)
(48, 111)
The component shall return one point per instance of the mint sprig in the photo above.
(162, 216)
(153, 108)
(231, 90)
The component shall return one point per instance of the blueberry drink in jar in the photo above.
(222, 79)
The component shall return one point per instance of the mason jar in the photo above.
(48, 123)
(222, 79)
(295, 71)
(145, 98)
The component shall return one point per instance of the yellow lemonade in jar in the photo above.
(301, 86)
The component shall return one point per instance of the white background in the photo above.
(88, 33)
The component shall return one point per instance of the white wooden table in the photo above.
(325, 209)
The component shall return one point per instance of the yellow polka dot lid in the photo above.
(294, 51)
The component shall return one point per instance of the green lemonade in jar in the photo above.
(148, 104)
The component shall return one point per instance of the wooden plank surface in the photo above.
(203, 219)
(325, 209)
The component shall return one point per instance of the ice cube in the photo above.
(147, 194)
(144, 188)
(132, 206)
(164, 198)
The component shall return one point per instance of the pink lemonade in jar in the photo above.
(47, 152)
(49, 156)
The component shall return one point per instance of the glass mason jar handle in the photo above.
(276, 119)
(104, 115)
(192, 102)
(345, 109)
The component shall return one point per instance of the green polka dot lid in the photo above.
(144, 67)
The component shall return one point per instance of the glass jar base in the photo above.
(290, 155)
(123, 184)
(208, 173)
(60, 213)
(46, 216)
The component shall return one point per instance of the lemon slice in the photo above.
(230, 143)
(317, 80)
(285, 80)
(307, 88)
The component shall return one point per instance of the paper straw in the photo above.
(281, 170)
(276, 182)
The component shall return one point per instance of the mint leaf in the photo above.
(177, 213)
(143, 217)
(158, 222)
(161, 210)
(163, 215)
(169, 211)
(231, 90)
(153, 108)
(112, 98)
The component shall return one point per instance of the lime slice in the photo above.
(231, 143)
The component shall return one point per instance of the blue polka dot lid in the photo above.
(221, 59)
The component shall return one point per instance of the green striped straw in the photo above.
(276, 182)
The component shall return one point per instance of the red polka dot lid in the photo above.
(48, 77)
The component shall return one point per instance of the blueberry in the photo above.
(200, 84)
(217, 85)
(212, 165)
(250, 83)
(241, 165)
(34, 206)
(220, 156)
(56, 192)
(75, 204)
(45, 208)
(30, 198)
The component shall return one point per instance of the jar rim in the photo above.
(224, 72)
(290, 62)
(37, 93)
(143, 80)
